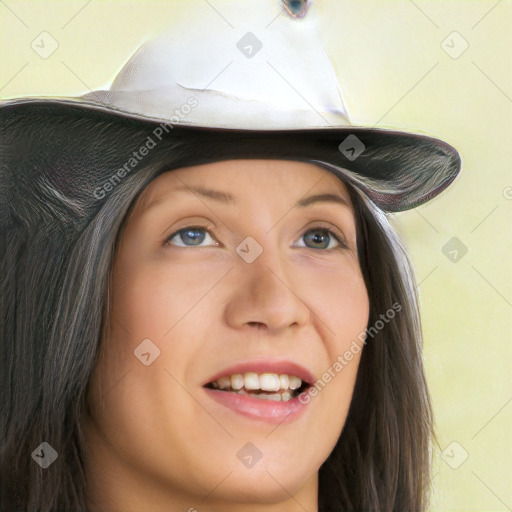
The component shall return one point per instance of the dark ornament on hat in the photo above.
(296, 8)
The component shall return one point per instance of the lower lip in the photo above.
(259, 408)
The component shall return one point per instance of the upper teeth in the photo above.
(263, 381)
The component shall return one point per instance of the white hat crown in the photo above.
(263, 75)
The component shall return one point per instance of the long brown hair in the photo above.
(381, 461)
(53, 283)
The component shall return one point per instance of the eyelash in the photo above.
(338, 237)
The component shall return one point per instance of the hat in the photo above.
(267, 92)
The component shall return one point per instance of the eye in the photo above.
(316, 238)
(193, 234)
(319, 236)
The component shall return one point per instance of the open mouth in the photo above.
(266, 386)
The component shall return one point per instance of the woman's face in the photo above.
(228, 274)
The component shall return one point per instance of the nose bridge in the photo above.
(264, 292)
(267, 275)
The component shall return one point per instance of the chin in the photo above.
(264, 485)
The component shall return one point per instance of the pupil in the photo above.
(317, 237)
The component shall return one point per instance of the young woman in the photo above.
(209, 312)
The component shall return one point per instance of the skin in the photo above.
(156, 440)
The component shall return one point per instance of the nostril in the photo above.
(258, 325)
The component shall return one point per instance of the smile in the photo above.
(263, 390)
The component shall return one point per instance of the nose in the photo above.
(265, 296)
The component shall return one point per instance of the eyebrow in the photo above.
(227, 198)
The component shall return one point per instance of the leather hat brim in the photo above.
(77, 147)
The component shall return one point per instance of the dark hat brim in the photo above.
(77, 147)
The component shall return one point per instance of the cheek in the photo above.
(150, 302)
(138, 305)
(341, 306)
(131, 401)
(340, 302)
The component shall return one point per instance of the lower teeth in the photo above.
(277, 397)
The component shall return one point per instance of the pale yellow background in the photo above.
(394, 73)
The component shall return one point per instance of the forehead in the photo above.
(285, 180)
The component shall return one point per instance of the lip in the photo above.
(266, 366)
(257, 408)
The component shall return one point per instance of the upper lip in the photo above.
(266, 366)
